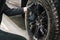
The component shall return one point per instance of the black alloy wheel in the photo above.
(42, 20)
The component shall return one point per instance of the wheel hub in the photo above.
(38, 26)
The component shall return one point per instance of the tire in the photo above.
(52, 8)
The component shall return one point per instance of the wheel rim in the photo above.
(38, 26)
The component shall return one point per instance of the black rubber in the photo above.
(52, 8)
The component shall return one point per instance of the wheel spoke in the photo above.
(38, 27)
